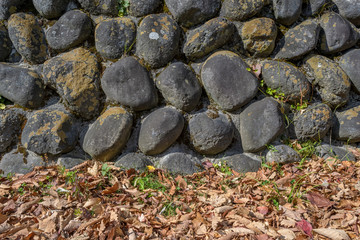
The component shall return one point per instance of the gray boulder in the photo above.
(287, 11)
(32, 44)
(50, 131)
(17, 162)
(100, 7)
(5, 43)
(342, 153)
(299, 41)
(69, 162)
(287, 79)
(338, 33)
(347, 125)
(313, 123)
(242, 163)
(210, 132)
(159, 130)
(331, 81)
(241, 9)
(282, 154)
(137, 161)
(50, 8)
(71, 29)
(260, 123)
(350, 63)
(108, 135)
(22, 86)
(349, 10)
(8, 7)
(180, 163)
(179, 86)
(115, 37)
(139, 8)
(227, 81)
(10, 127)
(127, 82)
(210, 36)
(157, 39)
(312, 7)
(75, 77)
(192, 12)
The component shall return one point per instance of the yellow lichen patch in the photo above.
(115, 112)
(33, 74)
(352, 113)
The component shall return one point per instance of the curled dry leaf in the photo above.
(287, 234)
(305, 226)
(334, 234)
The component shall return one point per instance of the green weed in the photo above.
(123, 7)
(105, 171)
(223, 167)
(148, 181)
(169, 209)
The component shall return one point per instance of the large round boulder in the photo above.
(350, 63)
(20, 162)
(140, 8)
(287, 11)
(349, 10)
(239, 10)
(50, 8)
(5, 43)
(180, 163)
(347, 125)
(10, 127)
(8, 7)
(101, 7)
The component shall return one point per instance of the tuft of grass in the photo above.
(224, 168)
(169, 209)
(123, 7)
(148, 181)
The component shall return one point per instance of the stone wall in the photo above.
(173, 83)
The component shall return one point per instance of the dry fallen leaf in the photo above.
(305, 226)
(287, 234)
(318, 199)
(334, 234)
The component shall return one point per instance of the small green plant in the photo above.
(223, 167)
(169, 209)
(9, 176)
(299, 106)
(276, 93)
(105, 170)
(308, 148)
(61, 170)
(4, 102)
(123, 6)
(78, 212)
(148, 181)
(21, 189)
(71, 177)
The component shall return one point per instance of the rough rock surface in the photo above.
(100, 7)
(8, 7)
(139, 8)
(157, 39)
(312, 7)
(227, 81)
(179, 86)
(50, 131)
(108, 135)
(208, 37)
(10, 127)
(325, 151)
(137, 161)
(22, 86)
(255, 135)
(69, 162)
(287, 79)
(332, 82)
(299, 41)
(5, 43)
(287, 11)
(347, 125)
(242, 163)
(282, 154)
(313, 123)
(350, 63)
(241, 9)
(259, 36)
(32, 44)
(16, 162)
(180, 163)
(114, 37)
(71, 29)
(50, 8)
(349, 10)
(338, 34)
(192, 12)
(210, 132)
(127, 82)
(75, 76)
(159, 130)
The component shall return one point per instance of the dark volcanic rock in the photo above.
(350, 63)
(127, 82)
(108, 135)
(137, 161)
(242, 163)
(286, 79)
(180, 163)
(71, 29)
(97, 7)
(69, 162)
(287, 11)
(5, 43)
(313, 123)
(347, 125)
(227, 81)
(208, 37)
(350, 10)
(260, 123)
(22, 86)
(10, 126)
(50, 131)
(32, 44)
(157, 39)
(50, 8)
(338, 34)
(259, 36)
(325, 151)
(114, 37)
(159, 130)
(241, 9)
(312, 7)
(75, 76)
(16, 162)
(299, 40)
(192, 12)
(332, 82)
(210, 133)
(179, 86)
(139, 8)
(8, 7)
(282, 154)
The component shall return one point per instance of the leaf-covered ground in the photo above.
(318, 199)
